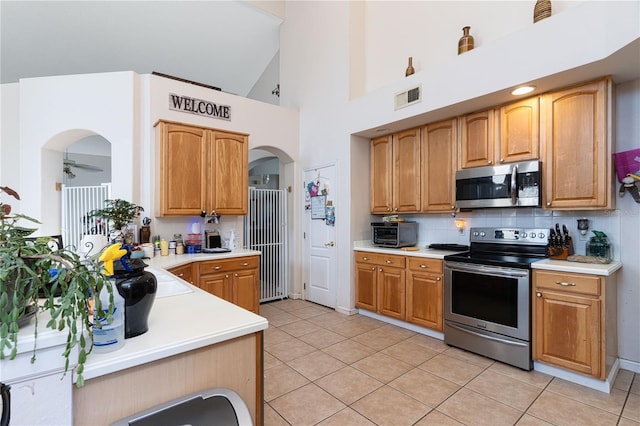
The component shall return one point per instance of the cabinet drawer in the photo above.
(380, 259)
(226, 265)
(574, 283)
(421, 264)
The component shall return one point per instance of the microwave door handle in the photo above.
(514, 192)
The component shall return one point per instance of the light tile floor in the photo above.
(326, 368)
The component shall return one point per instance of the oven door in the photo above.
(491, 298)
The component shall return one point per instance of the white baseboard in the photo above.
(626, 364)
(579, 379)
(408, 326)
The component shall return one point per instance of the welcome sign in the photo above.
(199, 107)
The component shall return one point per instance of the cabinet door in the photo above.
(185, 272)
(577, 143)
(424, 300)
(366, 290)
(477, 139)
(519, 131)
(229, 177)
(439, 158)
(218, 285)
(391, 292)
(182, 169)
(381, 174)
(245, 289)
(567, 332)
(406, 171)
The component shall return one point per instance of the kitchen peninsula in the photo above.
(195, 341)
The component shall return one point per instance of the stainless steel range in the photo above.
(487, 297)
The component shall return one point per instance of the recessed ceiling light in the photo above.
(523, 90)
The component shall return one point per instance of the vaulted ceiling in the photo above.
(226, 44)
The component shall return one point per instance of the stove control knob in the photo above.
(524, 235)
(476, 233)
(541, 235)
(482, 234)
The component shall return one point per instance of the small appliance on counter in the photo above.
(138, 289)
(394, 234)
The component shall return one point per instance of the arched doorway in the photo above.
(266, 225)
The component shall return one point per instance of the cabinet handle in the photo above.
(489, 162)
(217, 268)
(395, 209)
(438, 279)
(539, 294)
(549, 204)
(424, 266)
(373, 268)
(380, 270)
(226, 276)
(235, 275)
(180, 275)
(365, 259)
(565, 284)
(388, 262)
(502, 160)
(244, 264)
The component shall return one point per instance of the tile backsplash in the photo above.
(441, 228)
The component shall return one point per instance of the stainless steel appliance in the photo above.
(394, 234)
(487, 293)
(506, 185)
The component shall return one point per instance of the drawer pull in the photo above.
(565, 284)
(438, 279)
(365, 258)
(235, 275)
(388, 262)
(539, 294)
(244, 264)
(373, 268)
(380, 270)
(424, 266)
(180, 275)
(217, 268)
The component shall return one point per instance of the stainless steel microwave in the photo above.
(394, 234)
(506, 185)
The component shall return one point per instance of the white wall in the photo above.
(319, 74)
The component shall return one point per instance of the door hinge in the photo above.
(304, 235)
(304, 286)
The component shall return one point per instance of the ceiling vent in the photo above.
(408, 97)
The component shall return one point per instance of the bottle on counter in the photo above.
(108, 333)
(164, 247)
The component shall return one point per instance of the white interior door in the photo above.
(320, 235)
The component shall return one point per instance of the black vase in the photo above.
(138, 289)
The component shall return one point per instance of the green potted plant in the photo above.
(37, 277)
(118, 214)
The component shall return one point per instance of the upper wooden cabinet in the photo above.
(519, 131)
(477, 139)
(395, 173)
(576, 143)
(439, 160)
(202, 169)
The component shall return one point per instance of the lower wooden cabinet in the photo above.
(403, 287)
(570, 328)
(235, 280)
(185, 272)
(424, 292)
(380, 283)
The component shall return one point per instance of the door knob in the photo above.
(331, 244)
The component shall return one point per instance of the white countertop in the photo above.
(422, 252)
(183, 318)
(581, 268)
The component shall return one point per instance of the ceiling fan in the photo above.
(67, 164)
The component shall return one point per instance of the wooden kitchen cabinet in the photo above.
(576, 141)
(574, 321)
(185, 272)
(202, 169)
(477, 139)
(236, 280)
(439, 162)
(395, 173)
(424, 292)
(519, 131)
(380, 283)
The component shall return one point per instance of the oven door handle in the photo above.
(478, 269)
(484, 336)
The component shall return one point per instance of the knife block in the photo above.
(561, 253)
